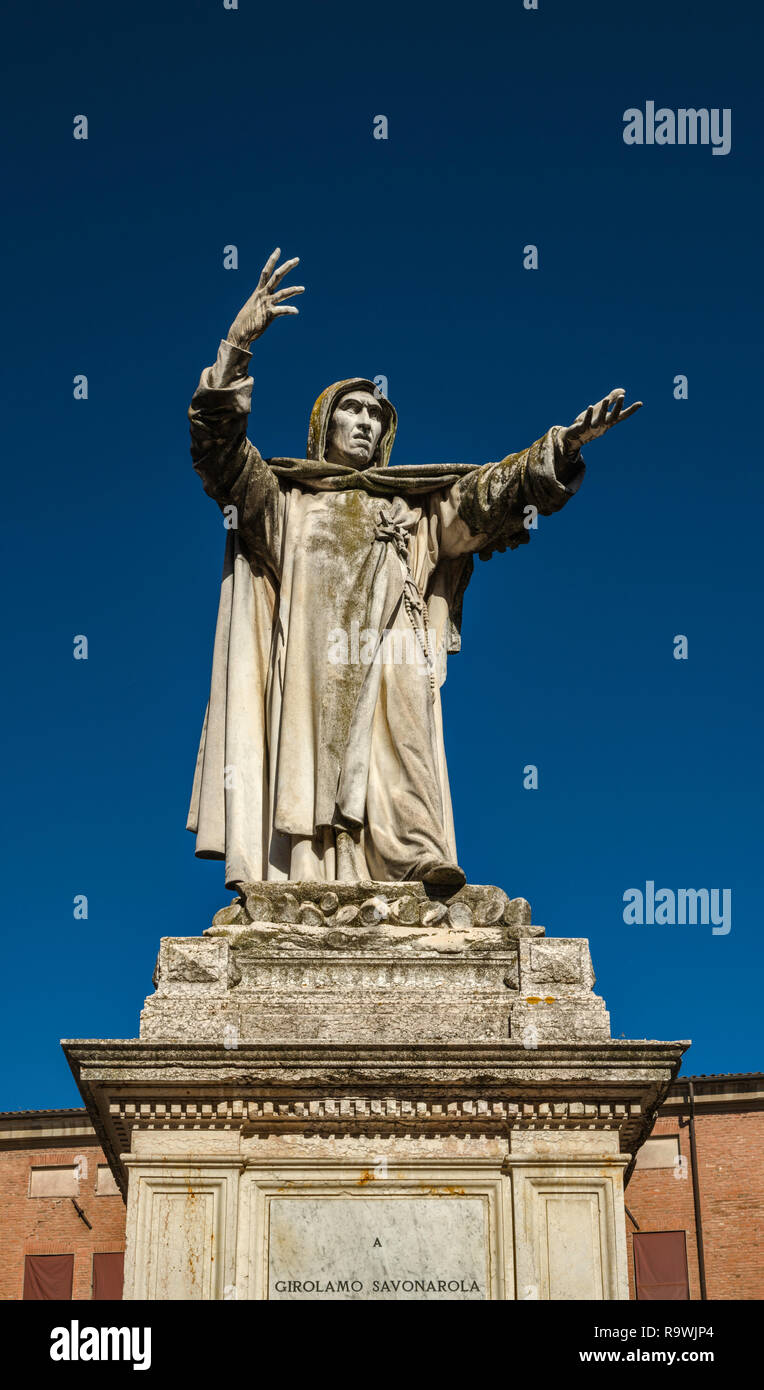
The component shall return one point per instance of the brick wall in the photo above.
(730, 1143)
(50, 1225)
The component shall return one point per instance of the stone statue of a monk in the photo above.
(322, 754)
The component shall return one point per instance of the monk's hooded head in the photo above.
(352, 425)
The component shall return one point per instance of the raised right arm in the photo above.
(230, 467)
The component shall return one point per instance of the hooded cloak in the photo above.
(304, 739)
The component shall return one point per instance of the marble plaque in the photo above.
(378, 1248)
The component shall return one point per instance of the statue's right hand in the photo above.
(266, 303)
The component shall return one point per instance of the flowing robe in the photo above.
(322, 753)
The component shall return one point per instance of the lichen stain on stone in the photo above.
(534, 999)
(366, 1176)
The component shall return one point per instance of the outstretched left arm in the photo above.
(494, 506)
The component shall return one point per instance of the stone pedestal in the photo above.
(373, 1092)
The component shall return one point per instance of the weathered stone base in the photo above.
(374, 962)
(361, 1106)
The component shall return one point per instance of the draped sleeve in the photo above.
(230, 467)
(492, 507)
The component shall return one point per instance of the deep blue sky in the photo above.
(253, 127)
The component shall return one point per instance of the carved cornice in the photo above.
(333, 1089)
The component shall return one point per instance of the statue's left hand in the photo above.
(596, 420)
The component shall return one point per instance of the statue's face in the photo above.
(355, 428)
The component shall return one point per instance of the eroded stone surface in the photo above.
(374, 962)
(369, 903)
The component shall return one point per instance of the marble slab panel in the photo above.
(378, 1248)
